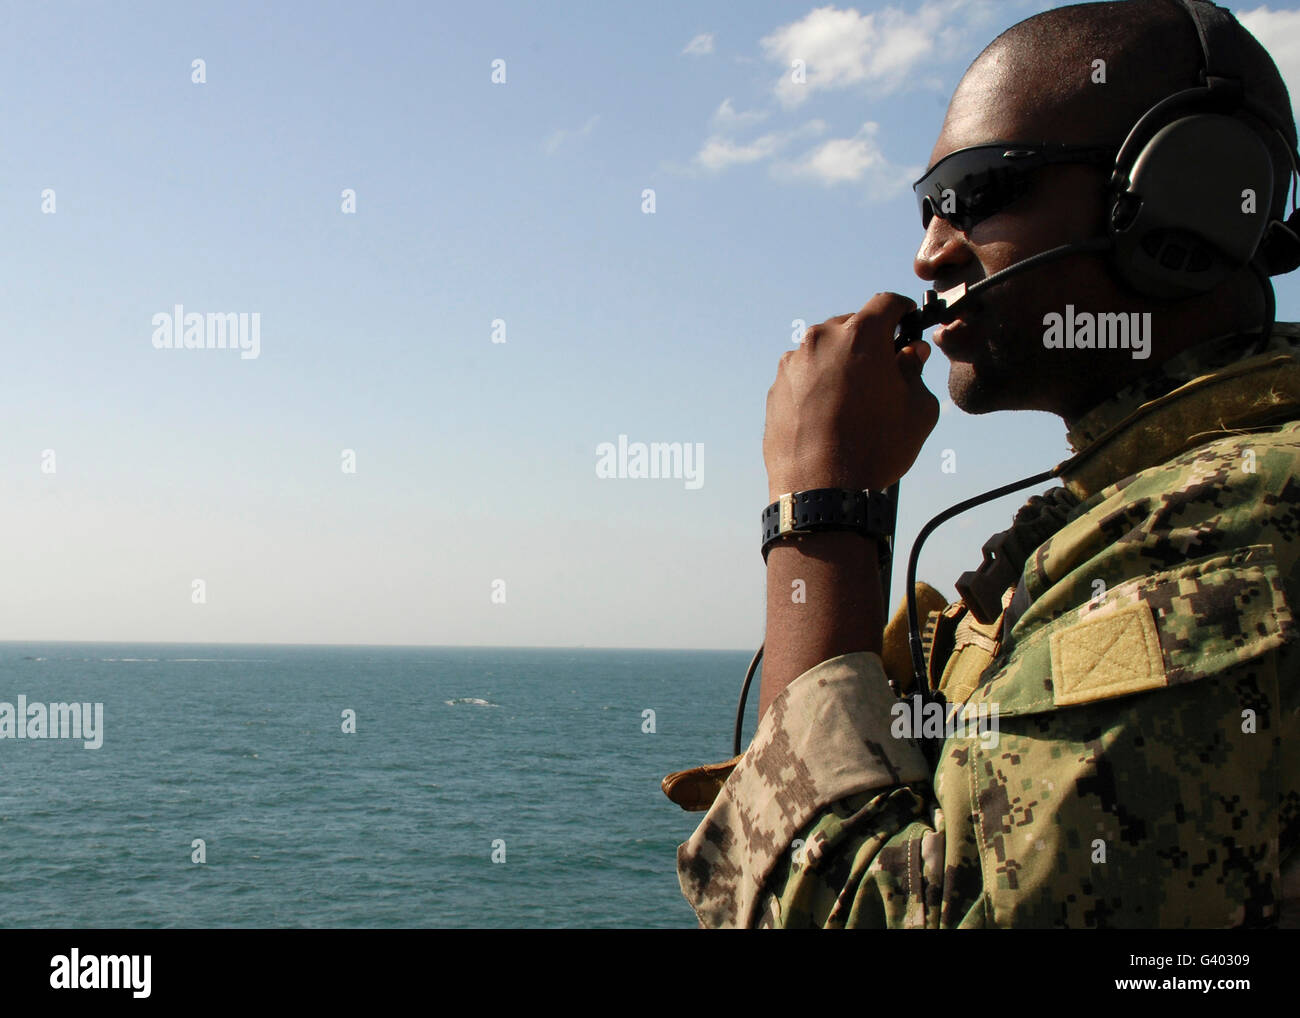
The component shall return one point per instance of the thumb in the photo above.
(910, 361)
(912, 358)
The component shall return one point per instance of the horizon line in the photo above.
(379, 646)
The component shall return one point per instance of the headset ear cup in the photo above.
(1281, 245)
(1193, 207)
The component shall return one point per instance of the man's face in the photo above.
(998, 361)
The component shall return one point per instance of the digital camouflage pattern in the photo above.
(1147, 682)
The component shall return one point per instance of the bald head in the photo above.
(1040, 73)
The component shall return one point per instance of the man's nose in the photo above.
(942, 251)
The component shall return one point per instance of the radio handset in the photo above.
(935, 309)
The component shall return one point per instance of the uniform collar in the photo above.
(1229, 382)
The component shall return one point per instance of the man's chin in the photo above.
(997, 369)
(970, 391)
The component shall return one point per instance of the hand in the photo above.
(845, 410)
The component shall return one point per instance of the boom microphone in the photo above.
(939, 308)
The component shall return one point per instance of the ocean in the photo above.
(481, 787)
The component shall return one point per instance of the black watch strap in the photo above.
(870, 513)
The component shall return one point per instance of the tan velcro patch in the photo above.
(1113, 655)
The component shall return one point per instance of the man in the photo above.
(1142, 666)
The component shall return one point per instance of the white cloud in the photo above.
(719, 153)
(878, 52)
(700, 45)
(842, 159)
(843, 48)
(726, 119)
(1279, 33)
(852, 160)
(559, 137)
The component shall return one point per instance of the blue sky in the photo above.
(475, 201)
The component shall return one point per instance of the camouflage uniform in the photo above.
(1145, 769)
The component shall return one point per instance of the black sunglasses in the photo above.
(971, 184)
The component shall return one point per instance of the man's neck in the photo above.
(1204, 357)
(1176, 348)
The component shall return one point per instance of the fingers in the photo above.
(880, 314)
(888, 307)
(878, 317)
(871, 327)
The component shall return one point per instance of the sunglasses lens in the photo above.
(927, 211)
(969, 186)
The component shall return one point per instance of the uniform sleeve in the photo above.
(825, 739)
(1129, 759)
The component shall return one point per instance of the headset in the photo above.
(1171, 233)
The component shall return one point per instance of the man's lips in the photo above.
(948, 338)
(961, 335)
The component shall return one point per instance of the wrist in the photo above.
(843, 545)
(867, 517)
(810, 479)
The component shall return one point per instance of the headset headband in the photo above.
(1207, 21)
(1220, 36)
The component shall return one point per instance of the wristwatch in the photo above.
(869, 513)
